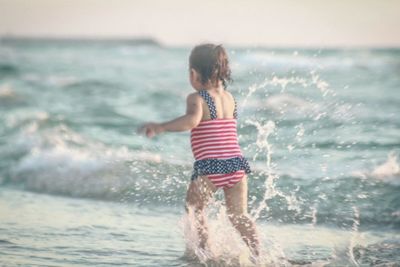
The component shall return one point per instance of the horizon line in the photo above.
(145, 39)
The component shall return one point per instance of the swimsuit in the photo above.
(216, 148)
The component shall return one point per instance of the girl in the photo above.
(211, 117)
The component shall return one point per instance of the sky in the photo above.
(321, 23)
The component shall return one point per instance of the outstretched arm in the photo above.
(183, 123)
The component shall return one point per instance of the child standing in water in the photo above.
(211, 116)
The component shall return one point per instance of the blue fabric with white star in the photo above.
(211, 106)
(219, 166)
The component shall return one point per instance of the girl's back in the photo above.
(214, 141)
(224, 105)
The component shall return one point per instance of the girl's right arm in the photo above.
(186, 122)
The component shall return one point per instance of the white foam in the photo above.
(6, 91)
(389, 169)
(61, 81)
(298, 60)
(59, 160)
(285, 101)
(226, 246)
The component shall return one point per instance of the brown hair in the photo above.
(211, 62)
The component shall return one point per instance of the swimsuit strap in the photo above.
(210, 103)
(235, 113)
(211, 106)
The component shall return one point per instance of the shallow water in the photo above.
(321, 129)
(42, 230)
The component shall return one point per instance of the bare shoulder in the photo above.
(229, 95)
(193, 103)
(193, 98)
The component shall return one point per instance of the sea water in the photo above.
(80, 187)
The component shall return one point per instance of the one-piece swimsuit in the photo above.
(216, 148)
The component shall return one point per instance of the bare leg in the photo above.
(236, 206)
(199, 193)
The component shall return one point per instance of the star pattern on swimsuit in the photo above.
(210, 103)
(211, 106)
(216, 166)
(235, 113)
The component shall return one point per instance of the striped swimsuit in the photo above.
(216, 149)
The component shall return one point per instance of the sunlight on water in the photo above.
(320, 128)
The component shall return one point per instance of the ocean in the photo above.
(80, 187)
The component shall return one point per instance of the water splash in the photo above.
(313, 80)
(353, 239)
(389, 168)
(225, 245)
(275, 251)
(388, 171)
(343, 254)
(264, 147)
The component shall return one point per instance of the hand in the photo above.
(151, 129)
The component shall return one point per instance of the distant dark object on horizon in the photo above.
(15, 40)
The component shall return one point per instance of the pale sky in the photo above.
(319, 23)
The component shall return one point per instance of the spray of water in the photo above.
(354, 235)
(264, 147)
(225, 241)
(313, 80)
(217, 227)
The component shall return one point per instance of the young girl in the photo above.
(211, 116)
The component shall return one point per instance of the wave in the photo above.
(70, 82)
(285, 101)
(51, 80)
(388, 169)
(6, 91)
(385, 253)
(352, 145)
(298, 201)
(316, 59)
(9, 98)
(388, 172)
(59, 161)
(293, 60)
(89, 87)
(8, 70)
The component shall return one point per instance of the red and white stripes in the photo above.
(217, 139)
(226, 180)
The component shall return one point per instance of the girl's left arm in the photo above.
(186, 122)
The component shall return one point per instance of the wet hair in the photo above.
(211, 62)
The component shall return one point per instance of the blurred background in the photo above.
(317, 83)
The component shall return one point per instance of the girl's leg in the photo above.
(198, 195)
(236, 206)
